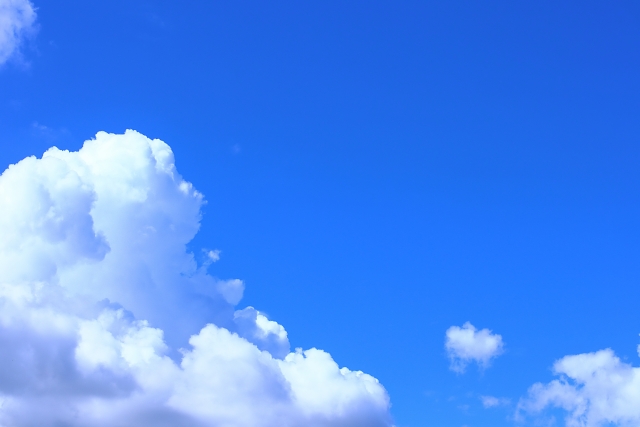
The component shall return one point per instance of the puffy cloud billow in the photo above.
(107, 320)
(593, 390)
(466, 344)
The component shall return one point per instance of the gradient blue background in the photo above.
(379, 171)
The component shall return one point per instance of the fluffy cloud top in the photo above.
(595, 389)
(466, 344)
(107, 320)
(17, 18)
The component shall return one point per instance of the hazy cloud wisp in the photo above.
(17, 19)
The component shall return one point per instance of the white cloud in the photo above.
(17, 19)
(594, 389)
(107, 320)
(262, 332)
(214, 255)
(492, 401)
(466, 344)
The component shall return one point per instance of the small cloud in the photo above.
(210, 256)
(214, 255)
(466, 344)
(492, 402)
(235, 149)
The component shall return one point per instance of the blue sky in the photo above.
(378, 172)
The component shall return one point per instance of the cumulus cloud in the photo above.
(107, 320)
(594, 389)
(17, 19)
(466, 344)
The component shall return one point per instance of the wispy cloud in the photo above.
(492, 402)
(48, 134)
(17, 20)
